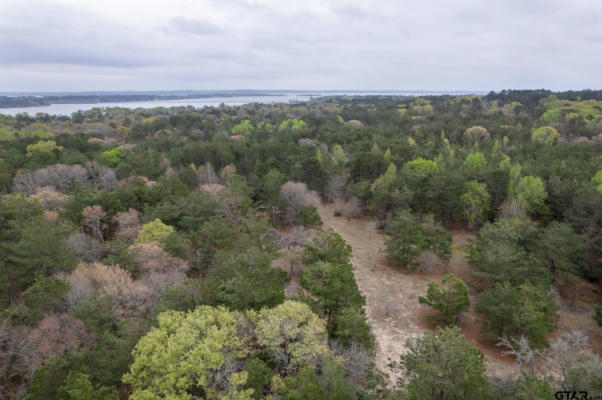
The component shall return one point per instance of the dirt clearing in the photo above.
(392, 295)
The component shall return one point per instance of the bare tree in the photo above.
(84, 247)
(128, 224)
(512, 208)
(129, 298)
(100, 175)
(356, 360)
(94, 219)
(150, 257)
(56, 334)
(527, 359)
(14, 369)
(297, 196)
(230, 206)
(357, 207)
(207, 175)
(300, 236)
(427, 262)
(567, 350)
(64, 177)
(335, 188)
(49, 198)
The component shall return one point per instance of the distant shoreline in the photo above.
(40, 99)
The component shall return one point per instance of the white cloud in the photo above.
(303, 44)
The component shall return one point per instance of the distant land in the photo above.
(39, 99)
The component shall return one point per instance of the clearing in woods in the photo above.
(392, 295)
(392, 298)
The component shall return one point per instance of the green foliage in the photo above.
(445, 365)
(309, 217)
(114, 156)
(506, 161)
(387, 179)
(46, 295)
(545, 134)
(502, 253)
(189, 295)
(171, 361)
(586, 375)
(532, 193)
(327, 246)
(528, 388)
(259, 375)
(597, 180)
(420, 164)
(450, 298)
(154, 231)
(293, 125)
(43, 147)
(244, 127)
(187, 351)
(306, 384)
(561, 250)
(338, 155)
(475, 162)
(249, 281)
(77, 386)
(333, 287)
(598, 313)
(476, 201)
(410, 237)
(96, 313)
(39, 252)
(518, 310)
(334, 292)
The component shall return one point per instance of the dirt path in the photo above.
(392, 295)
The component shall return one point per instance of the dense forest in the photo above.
(180, 253)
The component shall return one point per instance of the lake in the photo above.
(68, 109)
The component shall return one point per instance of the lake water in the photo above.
(68, 109)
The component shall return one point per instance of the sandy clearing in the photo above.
(392, 295)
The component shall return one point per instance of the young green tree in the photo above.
(532, 193)
(444, 365)
(327, 246)
(499, 254)
(476, 202)
(450, 298)
(333, 286)
(545, 134)
(410, 237)
(512, 311)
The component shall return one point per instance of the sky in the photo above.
(84, 45)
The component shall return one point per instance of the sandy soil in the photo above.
(392, 295)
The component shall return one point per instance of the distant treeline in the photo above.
(534, 96)
(36, 101)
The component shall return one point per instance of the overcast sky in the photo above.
(75, 45)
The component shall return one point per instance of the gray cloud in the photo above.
(339, 44)
(193, 26)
